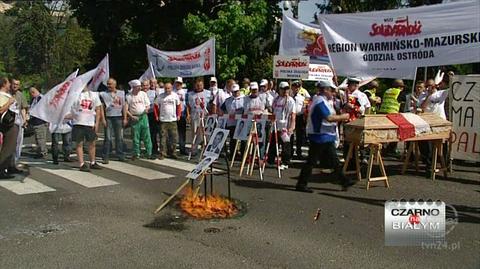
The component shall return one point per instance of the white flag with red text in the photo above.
(102, 74)
(56, 103)
(148, 74)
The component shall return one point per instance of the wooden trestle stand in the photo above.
(375, 130)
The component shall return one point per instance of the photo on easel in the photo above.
(242, 129)
(201, 167)
(222, 122)
(261, 124)
(216, 142)
(210, 124)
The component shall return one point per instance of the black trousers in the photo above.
(182, 134)
(326, 153)
(286, 150)
(8, 147)
(300, 134)
(154, 132)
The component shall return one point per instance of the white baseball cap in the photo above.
(253, 85)
(213, 79)
(179, 79)
(134, 83)
(283, 84)
(263, 82)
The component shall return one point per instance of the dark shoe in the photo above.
(183, 152)
(41, 156)
(84, 168)
(122, 159)
(55, 162)
(303, 189)
(67, 160)
(14, 170)
(134, 157)
(347, 184)
(6, 176)
(151, 157)
(428, 174)
(105, 161)
(160, 157)
(95, 166)
(173, 156)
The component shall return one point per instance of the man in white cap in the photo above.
(182, 121)
(284, 110)
(254, 105)
(265, 94)
(86, 118)
(232, 106)
(322, 133)
(137, 106)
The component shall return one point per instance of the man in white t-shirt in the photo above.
(170, 109)
(254, 103)
(182, 122)
(114, 102)
(284, 110)
(137, 106)
(300, 122)
(197, 111)
(86, 113)
(431, 100)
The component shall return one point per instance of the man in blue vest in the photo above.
(322, 133)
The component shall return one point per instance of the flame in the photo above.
(215, 206)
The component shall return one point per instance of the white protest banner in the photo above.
(102, 74)
(51, 103)
(148, 74)
(290, 67)
(198, 61)
(320, 72)
(58, 102)
(465, 116)
(392, 43)
(300, 39)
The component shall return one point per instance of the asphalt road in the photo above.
(107, 221)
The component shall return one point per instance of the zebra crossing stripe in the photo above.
(138, 171)
(28, 186)
(85, 179)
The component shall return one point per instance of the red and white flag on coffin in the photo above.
(102, 74)
(58, 101)
(148, 74)
(409, 125)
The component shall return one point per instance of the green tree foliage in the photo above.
(44, 43)
(71, 49)
(241, 30)
(34, 37)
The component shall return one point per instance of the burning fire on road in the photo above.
(209, 207)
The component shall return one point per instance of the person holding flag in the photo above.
(137, 106)
(86, 118)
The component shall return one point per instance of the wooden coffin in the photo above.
(379, 129)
